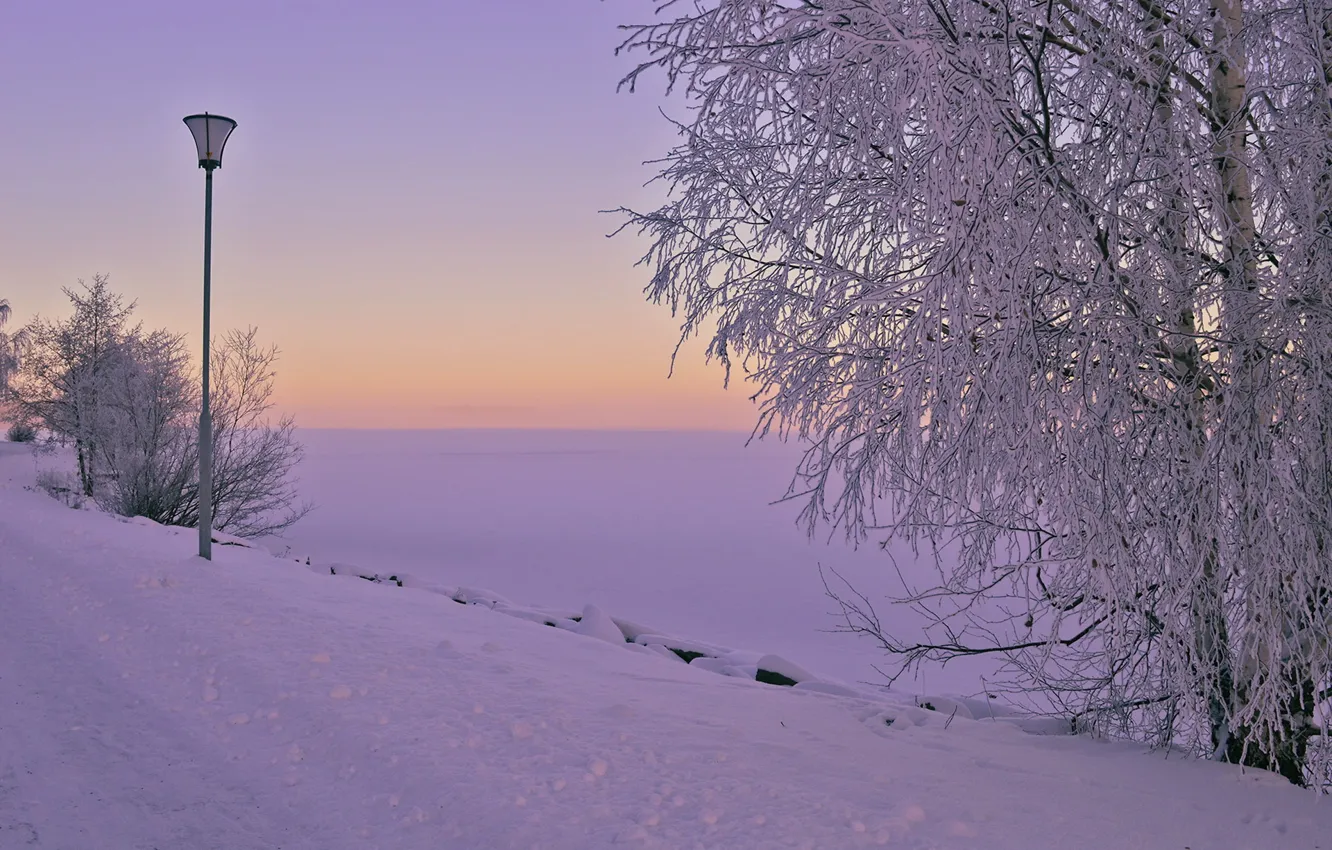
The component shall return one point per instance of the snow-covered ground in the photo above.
(152, 700)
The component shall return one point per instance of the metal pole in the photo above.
(205, 414)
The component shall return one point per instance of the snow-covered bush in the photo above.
(21, 432)
(144, 443)
(254, 453)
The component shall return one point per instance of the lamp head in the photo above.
(210, 136)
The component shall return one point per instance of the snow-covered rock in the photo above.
(785, 668)
(595, 623)
(477, 596)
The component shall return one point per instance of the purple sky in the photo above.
(408, 207)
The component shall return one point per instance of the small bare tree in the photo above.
(254, 493)
(1043, 284)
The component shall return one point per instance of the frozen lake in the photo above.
(672, 529)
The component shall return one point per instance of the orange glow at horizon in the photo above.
(536, 385)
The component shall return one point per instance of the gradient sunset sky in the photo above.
(408, 208)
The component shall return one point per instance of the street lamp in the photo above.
(210, 136)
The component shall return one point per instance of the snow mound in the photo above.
(596, 624)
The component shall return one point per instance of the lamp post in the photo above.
(210, 136)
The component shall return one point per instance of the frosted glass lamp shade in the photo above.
(210, 135)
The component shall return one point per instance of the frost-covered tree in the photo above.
(68, 366)
(148, 437)
(10, 346)
(6, 363)
(128, 401)
(145, 441)
(11, 349)
(1044, 285)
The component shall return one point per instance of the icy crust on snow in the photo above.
(767, 668)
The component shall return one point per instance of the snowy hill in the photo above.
(152, 700)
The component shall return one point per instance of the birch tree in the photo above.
(1042, 284)
(68, 367)
(7, 364)
(9, 352)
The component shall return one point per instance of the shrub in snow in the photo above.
(21, 432)
(254, 454)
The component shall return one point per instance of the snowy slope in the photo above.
(151, 700)
(675, 528)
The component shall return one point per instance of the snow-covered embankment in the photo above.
(152, 699)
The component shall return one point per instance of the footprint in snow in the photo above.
(23, 832)
(445, 649)
(619, 711)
